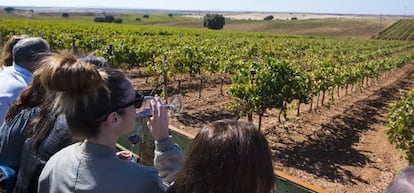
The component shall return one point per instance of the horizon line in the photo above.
(195, 10)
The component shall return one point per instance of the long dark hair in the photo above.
(40, 127)
(227, 156)
(85, 93)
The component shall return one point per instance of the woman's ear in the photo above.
(112, 119)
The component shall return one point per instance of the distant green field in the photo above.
(127, 18)
(355, 28)
(401, 30)
(339, 27)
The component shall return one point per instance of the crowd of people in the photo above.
(61, 116)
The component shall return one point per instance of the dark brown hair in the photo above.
(227, 156)
(85, 93)
(6, 57)
(31, 96)
(43, 124)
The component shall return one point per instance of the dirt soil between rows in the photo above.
(340, 146)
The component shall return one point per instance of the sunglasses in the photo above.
(137, 102)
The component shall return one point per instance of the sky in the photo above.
(377, 7)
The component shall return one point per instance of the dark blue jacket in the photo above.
(12, 137)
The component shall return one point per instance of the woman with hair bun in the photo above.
(99, 106)
(47, 133)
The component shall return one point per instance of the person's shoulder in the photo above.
(139, 169)
(61, 122)
(24, 115)
(68, 150)
(16, 82)
(6, 70)
(7, 73)
(147, 176)
(29, 112)
(62, 157)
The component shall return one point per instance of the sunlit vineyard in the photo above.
(401, 30)
(268, 70)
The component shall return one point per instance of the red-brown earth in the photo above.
(339, 147)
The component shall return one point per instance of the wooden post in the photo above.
(2, 37)
(110, 49)
(221, 87)
(164, 73)
(74, 48)
(179, 85)
(51, 43)
(200, 87)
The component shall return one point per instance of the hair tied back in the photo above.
(66, 73)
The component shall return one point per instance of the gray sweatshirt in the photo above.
(88, 167)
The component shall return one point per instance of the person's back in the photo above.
(13, 79)
(13, 136)
(96, 168)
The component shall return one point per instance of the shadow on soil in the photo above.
(324, 153)
(200, 119)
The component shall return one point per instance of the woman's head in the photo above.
(89, 96)
(227, 156)
(6, 57)
(404, 181)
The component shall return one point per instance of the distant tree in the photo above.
(214, 21)
(65, 15)
(269, 17)
(118, 20)
(9, 9)
(145, 16)
(109, 18)
(170, 15)
(137, 19)
(294, 18)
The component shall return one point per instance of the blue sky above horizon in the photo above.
(386, 7)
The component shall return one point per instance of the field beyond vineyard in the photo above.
(340, 147)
